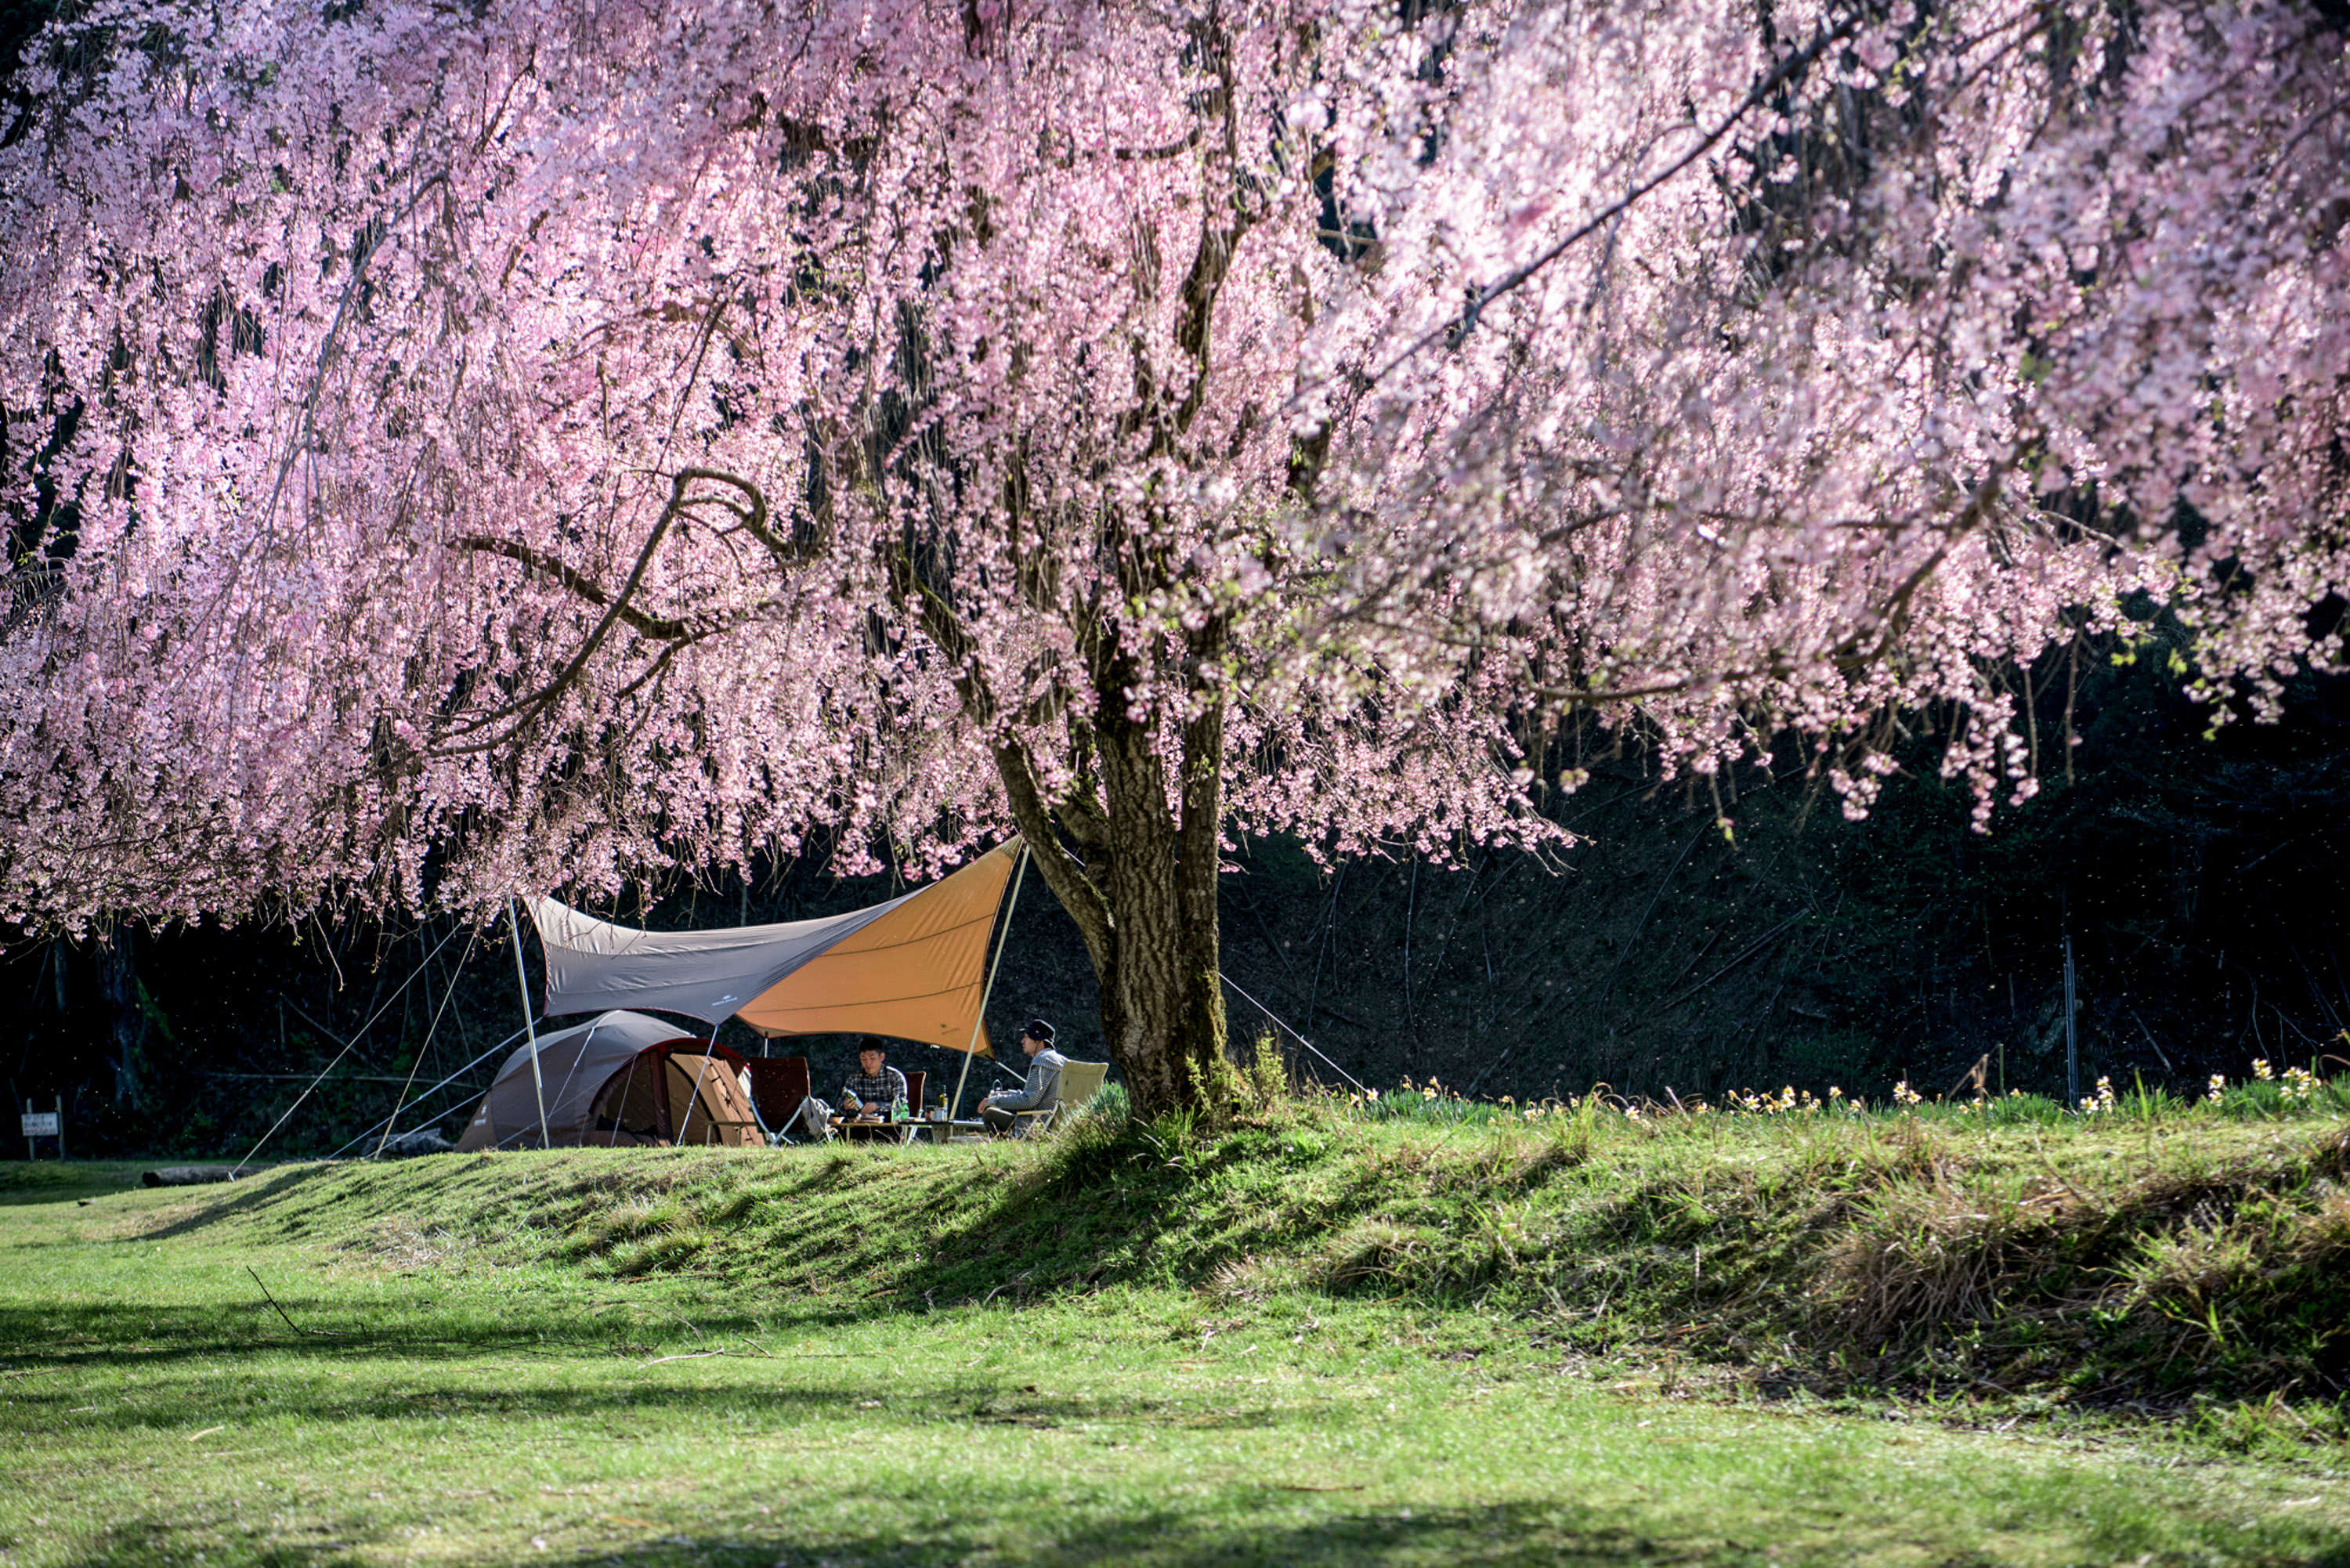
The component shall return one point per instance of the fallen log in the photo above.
(186, 1175)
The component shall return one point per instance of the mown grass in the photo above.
(1583, 1339)
(2198, 1254)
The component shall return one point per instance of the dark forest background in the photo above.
(2200, 876)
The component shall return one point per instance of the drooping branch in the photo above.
(618, 606)
(1787, 71)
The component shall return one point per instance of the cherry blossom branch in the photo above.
(1778, 77)
(618, 607)
(379, 232)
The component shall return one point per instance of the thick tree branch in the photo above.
(581, 586)
(619, 607)
(1072, 883)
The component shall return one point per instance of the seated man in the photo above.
(874, 1087)
(1041, 1089)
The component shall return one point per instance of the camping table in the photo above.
(900, 1133)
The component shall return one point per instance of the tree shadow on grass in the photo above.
(1510, 1535)
(127, 1333)
(1095, 1213)
(602, 1384)
(145, 1543)
(1240, 1531)
(1501, 1536)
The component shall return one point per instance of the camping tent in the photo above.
(912, 968)
(620, 1078)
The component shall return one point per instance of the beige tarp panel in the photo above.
(574, 1064)
(912, 968)
(719, 1114)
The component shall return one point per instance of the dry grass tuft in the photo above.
(2239, 1270)
(1375, 1249)
(1923, 1256)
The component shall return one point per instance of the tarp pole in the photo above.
(522, 984)
(980, 1019)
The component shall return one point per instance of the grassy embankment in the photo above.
(1447, 1336)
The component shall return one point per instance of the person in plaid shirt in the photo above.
(873, 1088)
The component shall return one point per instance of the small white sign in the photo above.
(41, 1124)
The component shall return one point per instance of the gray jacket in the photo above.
(1044, 1085)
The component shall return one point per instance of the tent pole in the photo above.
(708, 1056)
(522, 984)
(1002, 937)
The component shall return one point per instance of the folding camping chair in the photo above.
(780, 1088)
(1080, 1081)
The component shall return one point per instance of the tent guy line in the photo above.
(1293, 1034)
(357, 1035)
(431, 1034)
(373, 1126)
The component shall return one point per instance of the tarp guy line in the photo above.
(397, 992)
(430, 1031)
(1011, 906)
(693, 1100)
(572, 1071)
(430, 1092)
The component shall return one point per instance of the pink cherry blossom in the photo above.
(543, 448)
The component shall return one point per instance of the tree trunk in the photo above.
(1162, 994)
(126, 1019)
(1144, 898)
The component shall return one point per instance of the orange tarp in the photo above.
(916, 973)
(912, 968)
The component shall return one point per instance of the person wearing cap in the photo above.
(1000, 1110)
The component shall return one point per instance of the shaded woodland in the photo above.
(2200, 878)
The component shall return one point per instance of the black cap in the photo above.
(1037, 1029)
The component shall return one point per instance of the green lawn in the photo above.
(495, 1390)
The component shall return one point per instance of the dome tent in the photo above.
(619, 1078)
